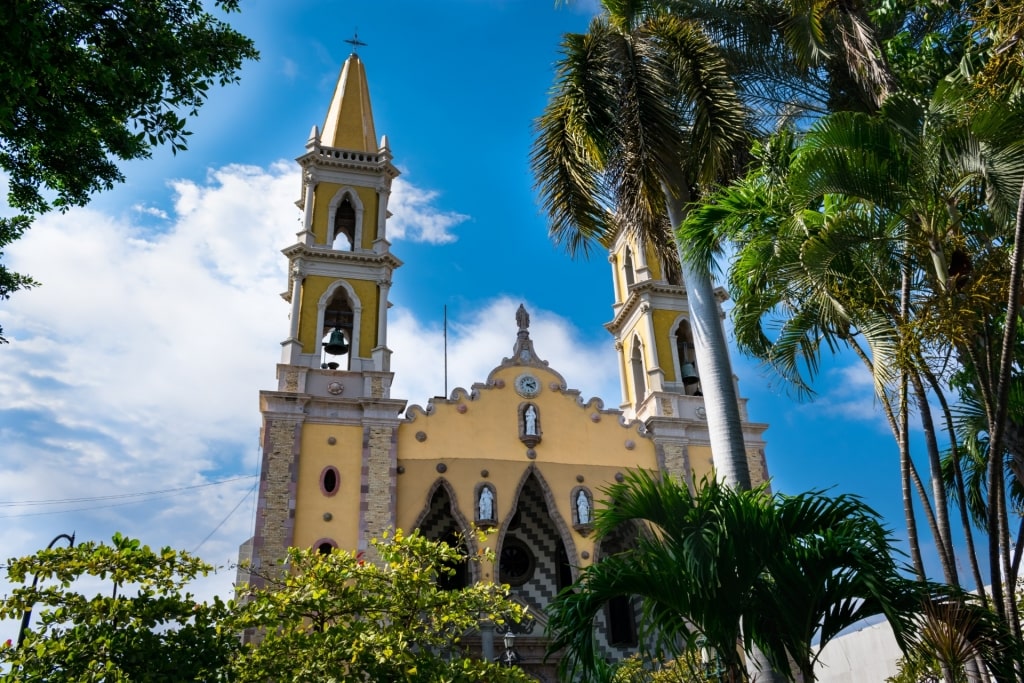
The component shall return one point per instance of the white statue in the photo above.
(486, 503)
(582, 508)
(531, 421)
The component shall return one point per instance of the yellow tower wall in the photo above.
(314, 288)
(368, 197)
(666, 342)
(318, 453)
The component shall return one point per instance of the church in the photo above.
(520, 451)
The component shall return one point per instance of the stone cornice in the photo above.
(327, 255)
(637, 295)
(334, 157)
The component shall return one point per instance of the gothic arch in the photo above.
(357, 314)
(628, 269)
(561, 527)
(638, 372)
(617, 627)
(681, 333)
(332, 216)
(459, 522)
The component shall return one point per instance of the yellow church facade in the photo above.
(520, 452)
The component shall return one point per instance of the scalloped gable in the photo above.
(488, 422)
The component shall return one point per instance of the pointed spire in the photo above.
(349, 122)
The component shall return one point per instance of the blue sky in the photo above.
(136, 366)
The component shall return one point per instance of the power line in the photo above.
(118, 496)
(226, 518)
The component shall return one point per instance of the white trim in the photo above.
(332, 210)
(637, 398)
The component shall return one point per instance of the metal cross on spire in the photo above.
(355, 42)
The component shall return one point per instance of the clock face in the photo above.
(527, 385)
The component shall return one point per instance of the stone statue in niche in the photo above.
(486, 504)
(530, 420)
(582, 508)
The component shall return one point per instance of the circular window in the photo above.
(516, 564)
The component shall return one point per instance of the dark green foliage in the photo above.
(85, 84)
(728, 568)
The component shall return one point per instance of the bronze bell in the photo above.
(689, 373)
(336, 345)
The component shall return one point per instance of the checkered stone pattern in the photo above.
(615, 542)
(439, 524)
(538, 532)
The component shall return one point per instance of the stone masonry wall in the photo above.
(377, 489)
(676, 460)
(275, 516)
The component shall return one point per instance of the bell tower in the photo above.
(329, 429)
(657, 366)
(340, 266)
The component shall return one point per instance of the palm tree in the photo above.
(643, 110)
(889, 229)
(721, 566)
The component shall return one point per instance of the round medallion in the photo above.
(527, 385)
(335, 388)
(516, 563)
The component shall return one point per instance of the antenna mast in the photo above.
(446, 350)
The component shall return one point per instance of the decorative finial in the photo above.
(523, 319)
(355, 42)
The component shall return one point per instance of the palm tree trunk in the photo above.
(725, 428)
(900, 432)
(958, 484)
(997, 524)
(943, 537)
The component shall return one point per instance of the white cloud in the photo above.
(479, 342)
(150, 211)
(850, 396)
(137, 365)
(416, 219)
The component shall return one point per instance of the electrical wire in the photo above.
(64, 501)
(226, 518)
(147, 495)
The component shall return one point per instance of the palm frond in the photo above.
(572, 143)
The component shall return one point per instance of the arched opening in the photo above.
(564, 568)
(620, 613)
(627, 265)
(338, 315)
(439, 525)
(532, 555)
(687, 358)
(636, 362)
(344, 225)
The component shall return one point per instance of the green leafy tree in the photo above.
(733, 570)
(336, 617)
(86, 84)
(143, 627)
